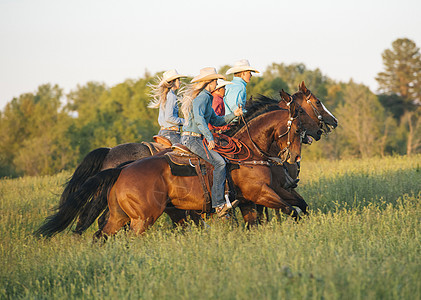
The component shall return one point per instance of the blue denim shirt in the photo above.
(235, 94)
(202, 114)
(168, 115)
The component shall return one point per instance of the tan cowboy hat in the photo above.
(207, 74)
(171, 75)
(221, 83)
(240, 66)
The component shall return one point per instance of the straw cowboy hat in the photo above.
(221, 83)
(240, 66)
(171, 75)
(207, 74)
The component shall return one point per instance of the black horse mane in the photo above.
(255, 107)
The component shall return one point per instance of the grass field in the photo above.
(361, 241)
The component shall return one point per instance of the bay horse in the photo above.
(309, 126)
(106, 158)
(140, 192)
(326, 121)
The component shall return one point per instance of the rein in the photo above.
(260, 151)
(233, 147)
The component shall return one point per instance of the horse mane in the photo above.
(255, 107)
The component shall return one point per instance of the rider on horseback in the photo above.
(197, 110)
(235, 94)
(165, 99)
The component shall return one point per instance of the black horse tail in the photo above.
(94, 208)
(69, 210)
(91, 165)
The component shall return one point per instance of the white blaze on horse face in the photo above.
(326, 110)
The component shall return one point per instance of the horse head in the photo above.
(315, 108)
(309, 127)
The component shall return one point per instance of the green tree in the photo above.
(34, 133)
(402, 74)
(365, 127)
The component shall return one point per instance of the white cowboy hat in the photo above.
(221, 83)
(171, 75)
(207, 74)
(240, 66)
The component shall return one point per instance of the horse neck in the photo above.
(262, 130)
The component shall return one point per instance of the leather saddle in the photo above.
(160, 143)
(183, 162)
(162, 140)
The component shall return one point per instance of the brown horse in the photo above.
(143, 189)
(326, 121)
(106, 158)
(308, 126)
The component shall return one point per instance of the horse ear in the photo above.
(302, 87)
(285, 96)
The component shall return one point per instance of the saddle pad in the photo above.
(183, 165)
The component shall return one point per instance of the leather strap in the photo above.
(205, 186)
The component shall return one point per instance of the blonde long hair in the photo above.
(191, 92)
(159, 92)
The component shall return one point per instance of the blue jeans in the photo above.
(195, 144)
(172, 135)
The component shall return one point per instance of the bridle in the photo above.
(315, 110)
(285, 153)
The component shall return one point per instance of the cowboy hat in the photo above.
(207, 74)
(240, 66)
(171, 75)
(221, 83)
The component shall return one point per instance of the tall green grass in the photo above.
(361, 241)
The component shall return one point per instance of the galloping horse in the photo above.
(140, 192)
(326, 121)
(97, 206)
(106, 158)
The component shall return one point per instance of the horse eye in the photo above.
(318, 102)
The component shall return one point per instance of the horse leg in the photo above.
(117, 219)
(270, 199)
(177, 216)
(293, 198)
(249, 213)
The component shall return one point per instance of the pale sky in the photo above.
(75, 41)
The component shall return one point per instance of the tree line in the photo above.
(47, 131)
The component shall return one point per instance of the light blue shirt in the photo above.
(202, 114)
(235, 95)
(168, 115)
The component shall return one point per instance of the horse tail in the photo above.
(91, 165)
(95, 207)
(69, 210)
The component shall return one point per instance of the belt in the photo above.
(176, 128)
(191, 133)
